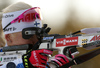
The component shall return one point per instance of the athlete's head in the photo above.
(16, 17)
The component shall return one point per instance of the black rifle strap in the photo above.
(76, 32)
(82, 58)
(33, 47)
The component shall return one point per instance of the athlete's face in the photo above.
(16, 39)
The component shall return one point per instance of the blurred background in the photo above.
(67, 16)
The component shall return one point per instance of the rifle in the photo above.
(56, 41)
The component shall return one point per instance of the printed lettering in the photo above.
(6, 16)
(29, 17)
(14, 28)
(66, 41)
(36, 59)
(6, 59)
(97, 37)
(22, 19)
(10, 29)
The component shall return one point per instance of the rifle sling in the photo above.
(82, 58)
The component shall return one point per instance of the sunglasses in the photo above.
(28, 16)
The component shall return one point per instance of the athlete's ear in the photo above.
(8, 38)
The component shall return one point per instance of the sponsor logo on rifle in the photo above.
(97, 37)
(10, 29)
(66, 41)
(84, 41)
(7, 59)
(48, 38)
